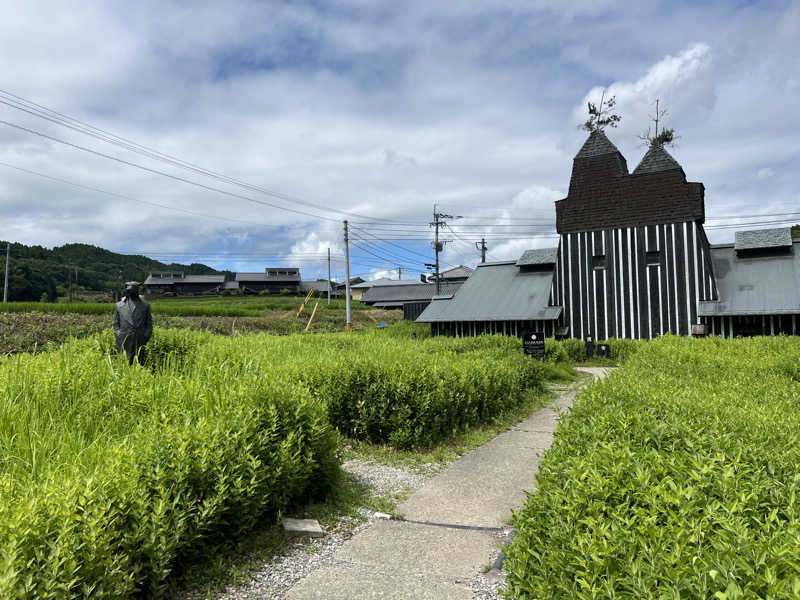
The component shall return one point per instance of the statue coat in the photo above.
(133, 324)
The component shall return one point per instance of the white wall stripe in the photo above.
(569, 305)
(696, 271)
(631, 307)
(686, 275)
(658, 272)
(647, 269)
(605, 285)
(594, 290)
(637, 288)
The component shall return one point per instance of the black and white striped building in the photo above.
(633, 261)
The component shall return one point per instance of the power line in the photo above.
(162, 173)
(43, 112)
(129, 198)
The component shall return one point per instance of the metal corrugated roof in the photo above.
(540, 256)
(456, 272)
(763, 238)
(263, 276)
(185, 279)
(655, 160)
(385, 281)
(406, 293)
(767, 285)
(497, 292)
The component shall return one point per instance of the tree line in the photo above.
(38, 273)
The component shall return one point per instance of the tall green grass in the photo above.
(112, 475)
(678, 477)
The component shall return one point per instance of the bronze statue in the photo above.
(133, 323)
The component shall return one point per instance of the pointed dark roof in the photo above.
(656, 160)
(596, 144)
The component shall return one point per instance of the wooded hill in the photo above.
(35, 271)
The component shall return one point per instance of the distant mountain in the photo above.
(35, 271)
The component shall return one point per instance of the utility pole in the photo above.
(482, 247)
(399, 273)
(329, 275)
(5, 287)
(438, 246)
(349, 324)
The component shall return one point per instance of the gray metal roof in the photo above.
(458, 272)
(540, 256)
(656, 159)
(185, 279)
(497, 292)
(263, 276)
(406, 293)
(596, 144)
(321, 285)
(767, 285)
(384, 281)
(763, 238)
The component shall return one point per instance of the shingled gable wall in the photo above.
(603, 194)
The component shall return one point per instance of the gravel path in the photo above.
(273, 579)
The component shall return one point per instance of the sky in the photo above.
(375, 112)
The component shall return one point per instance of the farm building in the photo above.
(272, 280)
(355, 287)
(457, 274)
(319, 285)
(176, 282)
(403, 295)
(633, 261)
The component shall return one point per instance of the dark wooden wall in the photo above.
(749, 325)
(621, 295)
(509, 328)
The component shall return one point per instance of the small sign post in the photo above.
(533, 342)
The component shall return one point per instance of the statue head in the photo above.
(132, 290)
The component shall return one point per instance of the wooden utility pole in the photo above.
(482, 247)
(399, 273)
(5, 286)
(349, 324)
(329, 275)
(438, 246)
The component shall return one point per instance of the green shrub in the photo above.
(677, 477)
(110, 475)
(284, 292)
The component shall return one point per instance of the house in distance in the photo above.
(178, 283)
(633, 261)
(271, 279)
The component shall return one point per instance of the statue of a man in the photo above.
(133, 323)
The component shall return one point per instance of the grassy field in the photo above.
(35, 326)
(231, 306)
(111, 476)
(678, 477)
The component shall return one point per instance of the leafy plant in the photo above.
(676, 477)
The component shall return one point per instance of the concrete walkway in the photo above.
(452, 525)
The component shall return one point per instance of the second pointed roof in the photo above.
(655, 160)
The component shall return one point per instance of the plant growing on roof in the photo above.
(666, 137)
(601, 115)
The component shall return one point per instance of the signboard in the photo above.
(533, 342)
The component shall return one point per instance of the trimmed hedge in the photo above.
(111, 475)
(676, 477)
(387, 389)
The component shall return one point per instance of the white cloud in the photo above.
(378, 109)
